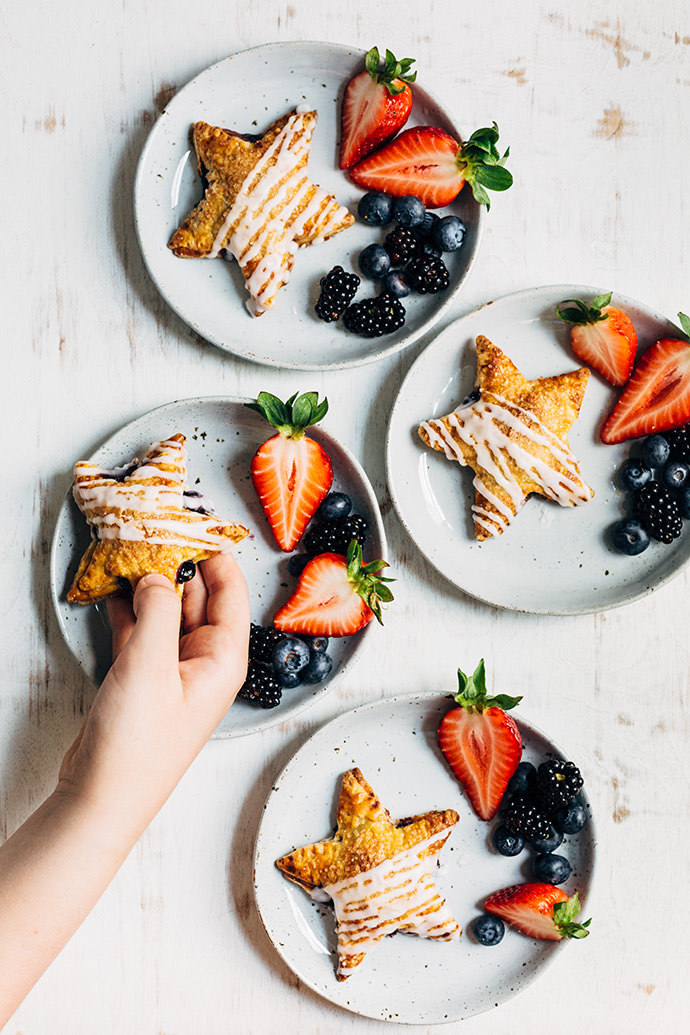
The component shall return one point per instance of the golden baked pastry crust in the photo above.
(142, 523)
(259, 203)
(354, 861)
(514, 437)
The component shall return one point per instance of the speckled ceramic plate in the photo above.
(222, 436)
(405, 979)
(246, 92)
(551, 560)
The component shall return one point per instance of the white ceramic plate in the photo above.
(405, 979)
(246, 92)
(551, 560)
(222, 436)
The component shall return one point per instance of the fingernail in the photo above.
(154, 579)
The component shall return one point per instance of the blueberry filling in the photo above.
(473, 397)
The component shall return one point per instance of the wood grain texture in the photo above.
(594, 99)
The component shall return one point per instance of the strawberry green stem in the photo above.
(293, 417)
(472, 693)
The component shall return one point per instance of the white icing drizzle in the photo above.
(398, 894)
(134, 511)
(267, 219)
(486, 428)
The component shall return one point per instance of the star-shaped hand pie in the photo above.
(377, 872)
(512, 433)
(259, 204)
(144, 521)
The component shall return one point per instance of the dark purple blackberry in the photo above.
(557, 784)
(679, 441)
(261, 686)
(262, 642)
(658, 512)
(338, 288)
(427, 275)
(375, 316)
(522, 816)
(335, 536)
(402, 245)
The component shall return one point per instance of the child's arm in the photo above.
(160, 701)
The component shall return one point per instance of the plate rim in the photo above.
(514, 296)
(269, 716)
(421, 697)
(237, 350)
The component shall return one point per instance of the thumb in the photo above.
(158, 611)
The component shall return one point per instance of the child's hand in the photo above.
(164, 694)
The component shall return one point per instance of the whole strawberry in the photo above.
(481, 744)
(602, 336)
(291, 472)
(377, 103)
(539, 910)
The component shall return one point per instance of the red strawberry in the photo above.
(377, 103)
(290, 471)
(602, 336)
(657, 397)
(539, 911)
(481, 744)
(335, 596)
(430, 164)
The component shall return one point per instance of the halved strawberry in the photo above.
(291, 472)
(377, 103)
(481, 744)
(657, 397)
(602, 336)
(430, 164)
(335, 595)
(539, 911)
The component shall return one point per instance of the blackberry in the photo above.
(679, 441)
(335, 536)
(427, 275)
(658, 512)
(338, 288)
(261, 687)
(263, 640)
(402, 245)
(557, 784)
(523, 817)
(375, 316)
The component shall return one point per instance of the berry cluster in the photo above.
(331, 530)
(280, 662)
(659, 480)
(410, 259)
(539, 807)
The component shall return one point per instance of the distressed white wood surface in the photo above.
(594, 98)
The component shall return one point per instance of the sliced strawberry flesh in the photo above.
(529, 907)
(606, 349)
(291, 477)
(657, 396)
(421, 161)
(483, 750)
(324, 602)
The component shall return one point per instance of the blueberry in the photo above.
(426, 228)
(335, 505)
(506, 842)
(634, 474)
(544, 845)
(431, 250)
(316, 644)
(448, 234)
(375, 208)
(675, 475)
(409, 211)
(395, 283)
(290, 655)
(523, 780)
(655, 450)
(297, 564)
(318, 669)
(684, 502)
(289, 680)
(629, 537)
(552, 869)
(488, 930)
(374, 261)
(570, 819)
(186, 571)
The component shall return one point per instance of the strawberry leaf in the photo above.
(684, 321)
(482, 165)
(293, 417)
(564, 914)
(578, 312)
(472, 693)
(394, 75)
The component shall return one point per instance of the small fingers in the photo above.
(121, 619)
(228, 599)
(194, 602)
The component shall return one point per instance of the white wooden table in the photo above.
(594, 99)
